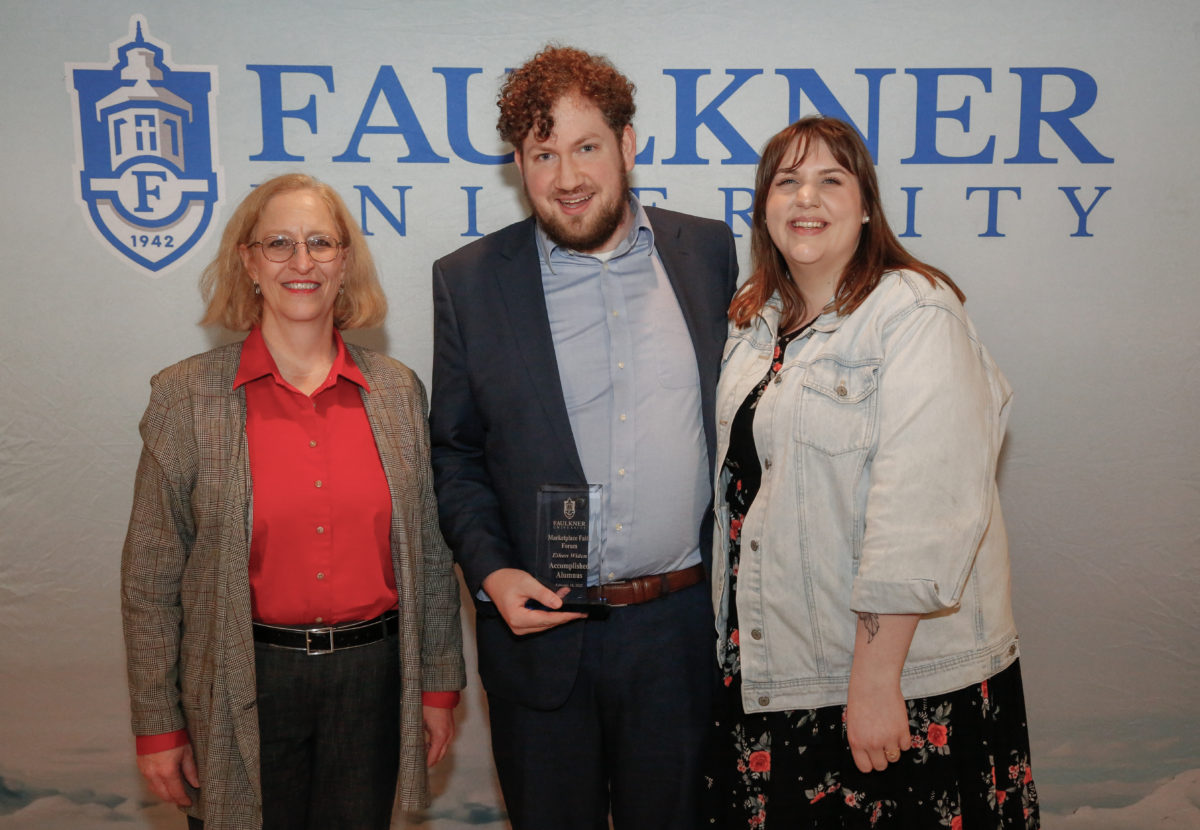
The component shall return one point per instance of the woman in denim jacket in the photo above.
(860, 574)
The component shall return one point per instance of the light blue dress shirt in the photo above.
(632, 390)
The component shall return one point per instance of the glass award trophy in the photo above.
(568, 540)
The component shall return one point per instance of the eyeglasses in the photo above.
(282, 248)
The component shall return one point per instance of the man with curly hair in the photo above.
(581, 347)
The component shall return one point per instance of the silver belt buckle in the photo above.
(308, 646)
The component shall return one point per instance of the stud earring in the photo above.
(866, 219)
(257, 290)
(341, 290)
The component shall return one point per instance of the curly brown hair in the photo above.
(531, 91)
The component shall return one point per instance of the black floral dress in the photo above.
(969, 762)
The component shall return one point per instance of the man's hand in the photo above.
(511, 588)
(164, 772)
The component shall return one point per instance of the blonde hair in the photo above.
(229, 293)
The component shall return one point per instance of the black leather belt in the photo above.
(328, 639)
(646, 588)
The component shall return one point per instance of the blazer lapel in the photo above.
(387, 431)
(677, 261)
(394, 441)
(519, 282)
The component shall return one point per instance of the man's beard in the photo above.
(595, 228)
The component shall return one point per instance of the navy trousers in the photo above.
(631, 737)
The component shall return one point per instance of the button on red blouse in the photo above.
(320, 550)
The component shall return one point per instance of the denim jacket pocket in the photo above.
(837, 407)
(731, 343)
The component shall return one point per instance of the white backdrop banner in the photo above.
(1039, 151)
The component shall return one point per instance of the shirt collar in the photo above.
(828, 320)
(641, 224)
(256, 362)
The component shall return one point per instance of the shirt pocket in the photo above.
(837, 406)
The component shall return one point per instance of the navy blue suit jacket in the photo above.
(499, 424)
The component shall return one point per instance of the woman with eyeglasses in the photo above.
(291, 616)
(860, 564)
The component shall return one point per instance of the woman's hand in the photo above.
(439, 732)
(876, 716)
(165, 771)
(876, 724)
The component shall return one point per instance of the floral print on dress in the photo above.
(827, 787)
(929, 731)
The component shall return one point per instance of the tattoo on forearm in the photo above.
(870, 623)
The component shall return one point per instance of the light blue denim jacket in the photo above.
(878, 441)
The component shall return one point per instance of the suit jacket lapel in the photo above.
(676, 260)
(519, 281)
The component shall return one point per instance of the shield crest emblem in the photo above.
(146, 171)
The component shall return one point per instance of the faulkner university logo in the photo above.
(145, 149)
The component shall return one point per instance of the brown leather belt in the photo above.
(646, 588)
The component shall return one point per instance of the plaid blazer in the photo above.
(185, 590)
